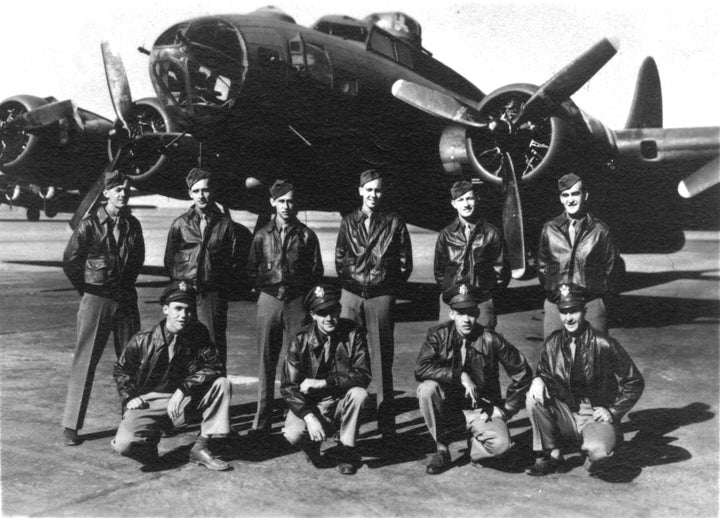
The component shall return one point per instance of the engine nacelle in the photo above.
(146, 116)
(18, 144)
(535, 146)
(60, 147)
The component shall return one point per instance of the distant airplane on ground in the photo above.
(257, 97)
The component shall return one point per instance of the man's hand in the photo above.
(497, 414)
(309, 384)
(173, 408)
(136, 403)
(470, 388)
(538, 391)
(315, 428)
(602, 415)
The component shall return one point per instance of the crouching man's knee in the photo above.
(132, 447)
(123, 445)
(489, 443)
(599, 441)
(357, 395)
(428, 389)
(294, 429)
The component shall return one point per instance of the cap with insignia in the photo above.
(195, 175)
(567, 181)
(369, 176)
(280, 188)
(178, 291)
(570, 296)
(463, 296)
(323, 296)
(459, 188)
(113, 179)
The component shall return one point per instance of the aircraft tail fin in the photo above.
(646, 110)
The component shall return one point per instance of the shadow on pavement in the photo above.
(650, 446)
(632, 311)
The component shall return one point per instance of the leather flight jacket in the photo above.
(482, 261)
(440, 360)
(370, 264)
(212, 262)
(285, 270)
(140, 369)
(348, 365)
(602, 372)
(96, 264)
(592, 263)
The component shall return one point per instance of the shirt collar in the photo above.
(277, 226)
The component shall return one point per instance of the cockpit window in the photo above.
(382, 44)
(346, 32)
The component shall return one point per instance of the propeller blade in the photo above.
(88, 202)
(92, 197)
(47, 114)
(512, 219)
(569, 80)
(704, 178)
(435, 103)
(117, 81)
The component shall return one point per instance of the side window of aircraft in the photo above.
(310, 60)
(405, 54)
(318, 64)
(346, 32)
(382, 44)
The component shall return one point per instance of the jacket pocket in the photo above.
(184, 264)
(97, 270)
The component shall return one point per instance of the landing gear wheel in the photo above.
(33, 213)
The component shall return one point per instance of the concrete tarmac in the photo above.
(667, 318)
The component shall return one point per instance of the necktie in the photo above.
(326, 352)
(203, 225)
(573, 231)
(367, 223)
(116, 231)
(468, 233)
(463, 351)
(573, 346)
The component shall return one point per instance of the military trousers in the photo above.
(554, 420)
(374, 315)
(97, 317)
(277, 323)
(212, 311)
(141, 429)
(342, 414)
(437, 402)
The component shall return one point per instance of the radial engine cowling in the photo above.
(534, 145)
(145, 117)
(57, 147)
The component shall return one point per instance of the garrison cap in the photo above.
(113, 179)
(568, 180)
(178, 291)
(570, 296)
(369, 176)
(280, 188)
(322, 296)
(195, 175)
(459, 188)
(463, 296)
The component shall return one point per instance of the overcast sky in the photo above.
(54, 48)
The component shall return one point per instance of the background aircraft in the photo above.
(318, 109)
